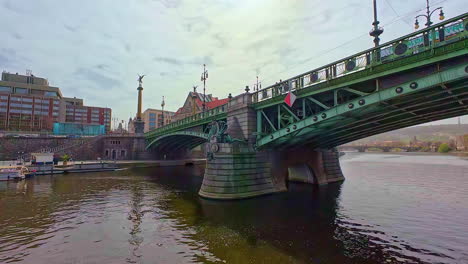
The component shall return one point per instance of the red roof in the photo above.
(209, 105)
(214, 104)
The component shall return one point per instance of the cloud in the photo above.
(168, 60)
(17, 36)
(220, 40)
(100, 80)
(102, 66)
(4, 60)
(170, 3)
(179, 62)
(70, 28)
(197, 25)
(9, 6)
(128, 48)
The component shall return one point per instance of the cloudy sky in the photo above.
(94, 49)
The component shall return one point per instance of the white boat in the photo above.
(13, 173)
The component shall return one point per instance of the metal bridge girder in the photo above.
(438, 78)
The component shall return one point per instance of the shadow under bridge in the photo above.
(177, 142)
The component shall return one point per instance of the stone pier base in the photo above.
(236, 172)
(331, 166)
(310, 166)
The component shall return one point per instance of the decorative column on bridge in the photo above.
(139, 123)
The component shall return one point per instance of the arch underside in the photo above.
(176, 142)
(386, 112)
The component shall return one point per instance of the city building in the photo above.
(153, 118)
(194, 104)
(76, 112)
(29, 104)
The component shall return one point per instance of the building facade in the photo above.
(194, 104)
(76, 112)
(29, 104)
(154, 118)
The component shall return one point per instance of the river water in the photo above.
(391, 209)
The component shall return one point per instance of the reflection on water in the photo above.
(391, 209)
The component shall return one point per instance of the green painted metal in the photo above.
(267, 119)
(317, 102)
(219, 113)
(291, 113)
(451, 47)
(355, 91)
(436, 79)
(201, 135)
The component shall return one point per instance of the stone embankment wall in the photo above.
(11, 147)
(107, 147)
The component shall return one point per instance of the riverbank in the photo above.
(463, 155)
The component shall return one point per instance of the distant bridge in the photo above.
(418, 78)
(364, 148)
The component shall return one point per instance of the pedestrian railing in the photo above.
(440, 34)
(187, 121)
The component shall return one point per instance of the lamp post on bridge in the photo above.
(428, 16)
(162, 106)
(204, 76)
(194, 98)
(376, 31)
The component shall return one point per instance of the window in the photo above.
(27, 100)
(152, 115)
(34, 91)
(21, 90)
(50, 93)
(5, 89)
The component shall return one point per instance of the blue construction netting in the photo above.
(78, 129)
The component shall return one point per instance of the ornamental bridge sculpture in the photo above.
(256, 142)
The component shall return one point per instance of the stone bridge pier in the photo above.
(237, 170)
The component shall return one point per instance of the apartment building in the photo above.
(29, 104)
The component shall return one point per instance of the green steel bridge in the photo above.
(256, 142)
(418, 78)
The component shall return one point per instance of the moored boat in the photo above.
(13, 173)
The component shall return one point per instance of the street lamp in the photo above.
(376, 30)
(162, 106)
(204, 76)
(428, 16)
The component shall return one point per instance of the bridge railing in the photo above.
(188, 120)
(440, 34)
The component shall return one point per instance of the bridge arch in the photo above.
(176, 141)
